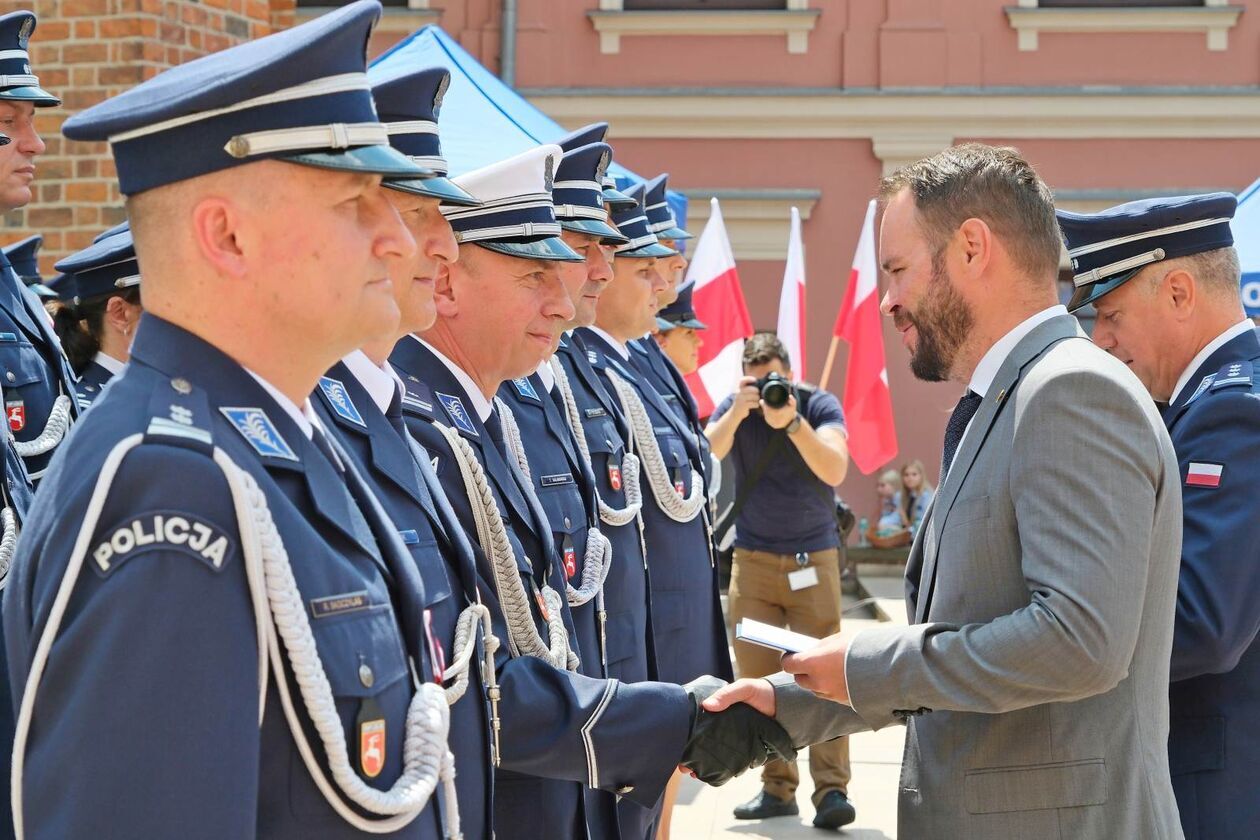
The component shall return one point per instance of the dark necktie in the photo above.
(495, 427)
(963, 412)
(322, 444)
(393, 413)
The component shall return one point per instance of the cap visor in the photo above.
(673, 232)
(664, 325)
(372, 160)
(439, 187)
(609, 234)
(652, 249)
(40, 97)
(1086, 295)
(616, 198)
(42, 292)
(695, 324)
(552, 248)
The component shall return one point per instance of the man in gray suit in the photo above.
(1034, 679)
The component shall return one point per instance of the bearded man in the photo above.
(1042, 584)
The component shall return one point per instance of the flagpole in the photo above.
(831, 357)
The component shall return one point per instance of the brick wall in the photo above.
(87, 50)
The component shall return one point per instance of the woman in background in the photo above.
(916, 494)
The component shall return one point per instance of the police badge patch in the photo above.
(340, 400)
(459, 415)
(257, 429)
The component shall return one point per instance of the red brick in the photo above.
(112, 215)
(77, 240)
(48, 193)
(108, 170)
(85, 168)
(120, 27)
(39, 218)
(77, 100)
(52, 30)
(81, 77)
(84, 8)
(85, 29)
(85, 53)
(128, 74)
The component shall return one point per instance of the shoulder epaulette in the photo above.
(417, 398)
(1234, 373)
(180, 414)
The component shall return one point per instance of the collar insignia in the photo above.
(259, 432)
(340, 401)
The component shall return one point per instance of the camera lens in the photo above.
(775, 392)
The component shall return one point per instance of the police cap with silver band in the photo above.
(408, 104)
(301, 95)
(23, 255)
(595, 133)
(1109, 247)
(104, 267)
(516, 215)
(578, 193)
(17, 82)
(660, 218)
(680, 313)
(633, 223)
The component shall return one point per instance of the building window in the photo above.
(1212, 18)
(616, 19)
(693, 5)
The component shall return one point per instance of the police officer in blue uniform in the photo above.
(687, 625)
(360, 400)
(99, 310)
(38, 384)
(1163, 276)
(214, 628)
(585, 136)
(499, 308)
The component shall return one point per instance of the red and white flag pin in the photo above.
(1204, 475)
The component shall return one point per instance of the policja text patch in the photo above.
(163, 531)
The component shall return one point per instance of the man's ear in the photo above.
(445, 299)
(1181, 290)
(974, 243)
(216, 225)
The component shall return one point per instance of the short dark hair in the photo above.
(991, 183)
(765, 347)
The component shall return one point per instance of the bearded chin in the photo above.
(943, 323)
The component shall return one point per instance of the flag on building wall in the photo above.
(867, 401)
(791, 330)
(719, 303)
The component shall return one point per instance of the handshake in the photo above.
(724, 744)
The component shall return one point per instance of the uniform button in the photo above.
(181, 385)
(9, 376)
(624, 789)
(568, 523)
(366, 676)
(608, 443)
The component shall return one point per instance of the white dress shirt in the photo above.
(108, 362)
(481, 404)
(304, 416)
(620, 347)
(380, 381)
(1215, 344)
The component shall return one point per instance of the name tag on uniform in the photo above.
(803, 578)
(556, 480)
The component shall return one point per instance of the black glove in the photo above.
(725, 744)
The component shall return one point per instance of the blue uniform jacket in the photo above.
(690, 633)
(630, 652)
(560, 729)
(91, 381)
(1214, 700)
(146, 720)
(661, 371)
(33, 369)
(403, 481)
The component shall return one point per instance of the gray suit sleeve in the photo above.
(1085, 463)
(809, 719)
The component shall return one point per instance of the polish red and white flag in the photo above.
(1204, 475)
(719, 303)
(867, 402)
(791, 330)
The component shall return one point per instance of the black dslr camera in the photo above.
(775, 389)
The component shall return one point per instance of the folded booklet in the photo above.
(776, 638)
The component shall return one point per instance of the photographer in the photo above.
(787, 446)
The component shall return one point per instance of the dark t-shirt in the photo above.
(786, 512)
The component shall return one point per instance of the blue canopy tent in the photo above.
(1246, 227)
(482, 119)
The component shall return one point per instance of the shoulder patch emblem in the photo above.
(1234, 373)
(340, 400)
(459, 415)
(256, 427)
(163, 531)
(525, 388)
(1203, 386)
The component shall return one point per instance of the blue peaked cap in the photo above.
(633, 224)
(301, 95)
(17, 82)
(409, 104)
(680, 313)
(595, 133)
(24, 257)
(118, 228)
(578, 194)
(105, 267)
(660, 218)
(1110, 247)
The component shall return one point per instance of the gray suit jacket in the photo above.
(1035, 683)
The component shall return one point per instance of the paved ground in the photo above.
(704, 813)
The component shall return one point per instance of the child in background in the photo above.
(890, 530)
